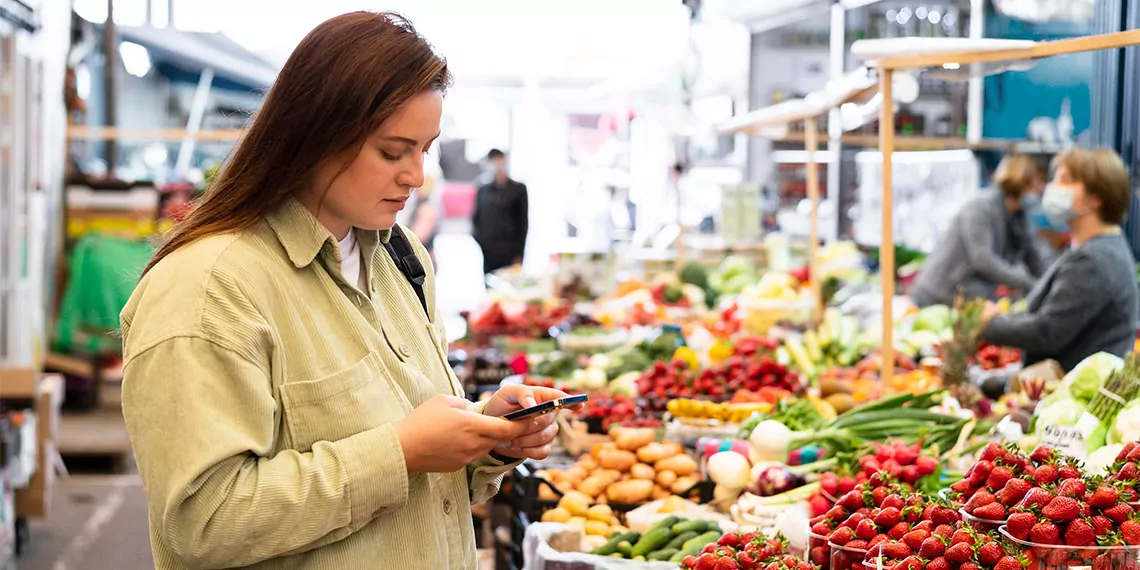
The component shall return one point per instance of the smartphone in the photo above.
(547, 407)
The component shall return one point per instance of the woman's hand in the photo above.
(442, 436)
(990, 311)
(538, 431)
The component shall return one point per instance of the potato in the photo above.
(630, 492)
(602, 513)
(659, 493)
(600, 499)
(588, 462)
(654, 452)
(612, 474)
(683, 484)
(576, 474)
(681, 464)
(634, 438)
(556, 515)
(579, 522)
(642, 471)
(602, 447)
(665, 478)
(576, 502)
(616, 459)
(546, 493)
(593, 486)
(597, 528)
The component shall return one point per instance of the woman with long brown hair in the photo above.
(286, 385)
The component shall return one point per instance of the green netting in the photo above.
(104, 272)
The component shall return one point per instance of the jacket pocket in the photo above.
(345, 403)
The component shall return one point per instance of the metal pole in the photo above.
(838, 46)
(887, 249)
(194, 123)
(110, 64)
(811, 143)
(975, 102)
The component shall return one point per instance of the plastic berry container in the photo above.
(978, 524)
(818, 551)
(845, 558)
(1064, 557)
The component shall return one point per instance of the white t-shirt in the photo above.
(350, 260)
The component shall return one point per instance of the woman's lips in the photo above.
(399, 202)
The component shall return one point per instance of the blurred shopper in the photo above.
(286, 385)
(424, 212)
(1087, 301)
(989, 244)
(502, 216)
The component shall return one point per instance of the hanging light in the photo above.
(136, 58)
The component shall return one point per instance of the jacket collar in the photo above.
(304, 238)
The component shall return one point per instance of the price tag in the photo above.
(1070, 440)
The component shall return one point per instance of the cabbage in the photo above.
(1126, 428)
(1087, 377)
(1062, 413)
(935, 319)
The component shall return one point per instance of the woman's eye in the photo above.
(389, 156)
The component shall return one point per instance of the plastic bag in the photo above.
(647, 515)
(538, 554)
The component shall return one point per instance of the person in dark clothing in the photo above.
(1088, 300)
(502, 212)
(987, 242)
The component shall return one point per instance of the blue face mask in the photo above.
(1057, 203)
(1030, 202)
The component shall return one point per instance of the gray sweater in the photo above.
(982, 248)
(1087, 302)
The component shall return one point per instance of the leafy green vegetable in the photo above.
(1062, 413)
(935, 319)
(1087, 377)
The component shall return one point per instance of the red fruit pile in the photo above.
(746, 551)
(1003, 477)
(963, 549)
(751, 368)
(904, 463)
(991, 357)
(612, 409)
(874, 513)
(1126, 471)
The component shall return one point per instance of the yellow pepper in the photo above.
(720, 351)
(686, 354)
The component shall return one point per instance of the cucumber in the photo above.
(652, 540)
(663, 554)
(679, 540)
(638, 558)
(697, 526)
(625, 548)
(694, 546)
(666, 522)
(611, 546)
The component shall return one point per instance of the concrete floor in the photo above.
(99, 522)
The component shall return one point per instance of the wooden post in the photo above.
(110, 62)
(811, 142)
(887, 249)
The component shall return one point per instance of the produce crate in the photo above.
(1063, 557)
(576, 436)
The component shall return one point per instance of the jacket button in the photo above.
(405, 351)
(447, 506)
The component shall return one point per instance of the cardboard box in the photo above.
(34, 501)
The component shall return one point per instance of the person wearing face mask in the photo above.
(988, 243)
(1087, 301)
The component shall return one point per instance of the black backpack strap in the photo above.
(408, 263)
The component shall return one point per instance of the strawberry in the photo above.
(1119, 512)
(1044, 532)
(979, 472)
(896, 550)
(961, 486)
(898, 531)
(726, 564)
(999, 476)
(846, 484)
(858, 544)
(1061, 509)
(910, 474)
(837, 513)
(1042, 454)
(1134, 454)
(928, 526)
(991, 452)
(707, 561)
(729, 539)
(989, 554)
(894, 501)
(853, 521)
(963, 535)
(1101, 524)
(932, 547)
(1080, 533)
(1130, 531)
(879, 538)
(1103, 497)
(944, 530)
(969, 566)
(843, 535)
(926, 465)
(915, 538)
(1007, 563)
(938, 563)
(909, 563)
(1013, 491)
(980, 499)
(888, 517)
(1128, 447)
(820, 555)
(1036, 497)
(959, 553)
(1069, 472)
(878, 495)
(1074, 488)
(992, 511)
(944, 515)
(851, 501)
(1019, 523)
(1128, 472)
(866, 529)
(747, 561)
(1045, 474)
(689, 562)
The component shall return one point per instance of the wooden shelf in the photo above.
(81, 132)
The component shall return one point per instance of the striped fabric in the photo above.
(259, 391)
